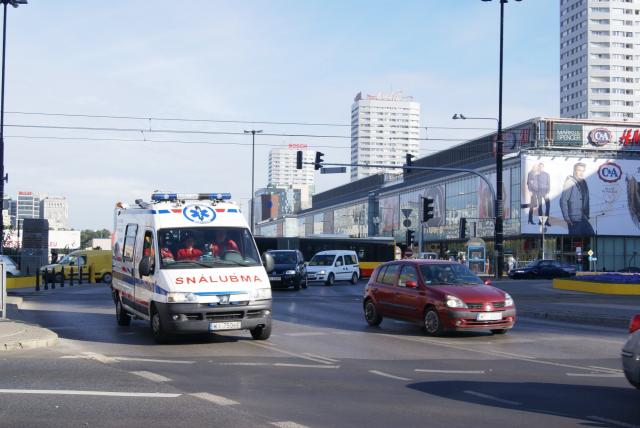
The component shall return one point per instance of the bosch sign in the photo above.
(610, 172)
(600, 137)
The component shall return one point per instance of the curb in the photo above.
(576, 318)
(597, 287)
(46, 337)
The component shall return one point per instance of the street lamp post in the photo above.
(253, 133)
(596, 238)
(543, 221)
(3, 177)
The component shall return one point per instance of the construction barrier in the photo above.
(596, 287)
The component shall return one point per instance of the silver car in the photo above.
(631, 353)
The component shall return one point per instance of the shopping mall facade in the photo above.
(581, 176)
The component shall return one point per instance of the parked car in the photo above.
(541, 269)
(289, 269)
(569, 268)
(100, 260)
(437, 294)
(10, 266)
(631, 353)
(334, 265)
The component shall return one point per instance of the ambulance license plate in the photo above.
(231, 325)
(274, 278)
(489, 316)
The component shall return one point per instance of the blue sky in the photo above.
(284, 61)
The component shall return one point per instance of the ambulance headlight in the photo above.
(181, 298)
(260, 294)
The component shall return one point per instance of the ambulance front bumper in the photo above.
(178, 318)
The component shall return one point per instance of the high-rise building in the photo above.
(56, 210)
(27, 206)
(599, 53)
(282, 166)
(384, 128)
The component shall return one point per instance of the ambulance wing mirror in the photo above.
(268, 262)
(144, 268)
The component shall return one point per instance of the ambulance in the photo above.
(187, 263)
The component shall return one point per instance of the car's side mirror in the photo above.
(268, 262)
(411, 284)
(488, 282)
(144, 268)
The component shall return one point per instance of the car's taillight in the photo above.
(634, 324)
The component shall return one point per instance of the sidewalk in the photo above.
(17, 335)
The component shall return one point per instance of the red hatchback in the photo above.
(439, 295)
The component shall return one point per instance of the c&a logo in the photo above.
(600, 136)
(610, 172)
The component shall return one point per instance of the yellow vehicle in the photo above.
(99, 259)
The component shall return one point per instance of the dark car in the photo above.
(631, 353)
(542, 269)
(290, 269)
(439, 295)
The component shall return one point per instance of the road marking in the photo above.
(383, 374)
(308, 366)
(310, 333)
(596, 374)
(291, 354)
(215, 399)
(243, 364)
(606, 368)
(491, 397)
(321, 357)
(612, 422)
(151, 376)
(99, 357)
(451, 371)
(288, 424)
(151, 360)
(94, 393)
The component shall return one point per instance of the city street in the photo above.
(323, 366)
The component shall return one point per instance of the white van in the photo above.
(9, 266)
(188, 264)
(335, 265)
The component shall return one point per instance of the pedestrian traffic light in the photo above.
(409, 161)
(319, 160)
(299, 159)
(410, 237)
(463, 228)
(427, 209)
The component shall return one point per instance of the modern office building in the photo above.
(27, 206)
(580, 177)
(56, 210)
(384, 128)
(282, 166)
(599, 59)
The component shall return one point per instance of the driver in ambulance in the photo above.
(222, 244)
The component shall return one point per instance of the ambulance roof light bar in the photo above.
(159, 197)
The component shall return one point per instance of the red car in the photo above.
(439, 295)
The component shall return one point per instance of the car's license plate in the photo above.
(489, 316)
(274, 278)
(231, 325)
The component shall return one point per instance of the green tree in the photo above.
(87, 235)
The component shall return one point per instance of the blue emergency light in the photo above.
(159, 197)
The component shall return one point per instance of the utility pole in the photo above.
(253, 133)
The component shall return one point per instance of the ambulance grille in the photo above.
(228, 315)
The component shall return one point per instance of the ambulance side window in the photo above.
(148, 250)
(129, 242)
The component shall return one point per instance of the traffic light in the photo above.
(463, 228)
(299, 159)
(409, 161)
(319, 160)
(427, 209)
(410, 237)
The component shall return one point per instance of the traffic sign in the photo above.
(590, 253)
(407, 223)
(408, 253)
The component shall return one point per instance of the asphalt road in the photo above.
(323, 366)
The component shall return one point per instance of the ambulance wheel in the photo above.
(122, 316)
(330, 279)
(261, 333)
(157, 329)
(106, 278)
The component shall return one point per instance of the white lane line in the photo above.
(99, 357)
(244, 364)
(215, 399)
(596, 374)
(151, 376)
(94, 393)
(606, 368)
(288, 424)
(491, 397)
(291, 354)
(383, 374)
(331, 360)
(451, 371)
(612, 422)
(307, 366)
(151, 360)
(310, 333)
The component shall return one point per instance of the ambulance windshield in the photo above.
(206, 247)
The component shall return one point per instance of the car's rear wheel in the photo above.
(106, 278)
(354, 278)
(262, 332)
(500, 331)
(371, 313)
(122, 316)
(330, 279)
(432, 324)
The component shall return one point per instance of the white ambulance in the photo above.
(188, 264)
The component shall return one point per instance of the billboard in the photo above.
(581, 196)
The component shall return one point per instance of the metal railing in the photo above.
(55, 277)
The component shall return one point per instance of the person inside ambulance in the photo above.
(188, 252)
(222, 244)
(165, 251)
